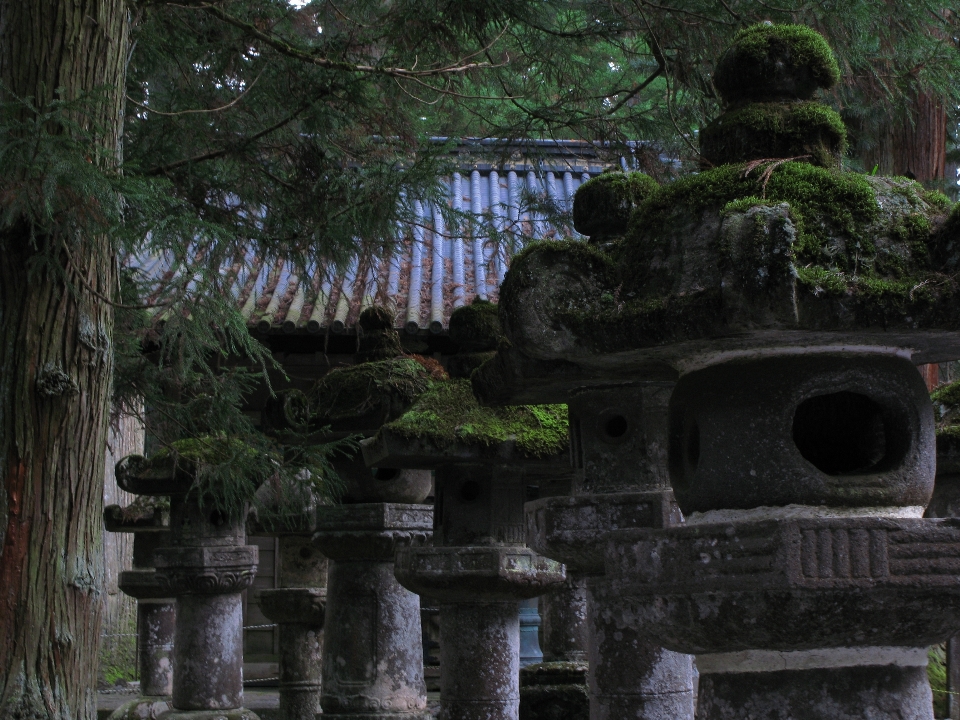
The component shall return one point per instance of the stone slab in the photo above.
(573, 529)
(480, 574)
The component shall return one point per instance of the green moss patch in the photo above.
(449, 413)
(825, 205)
(776, 130)
(946, 407)
(769, 61)
(351, 392)
(602, 205)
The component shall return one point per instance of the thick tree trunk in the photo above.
(56, 358)
(916, 149)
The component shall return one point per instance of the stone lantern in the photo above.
(479, 569)
(205, 566)
(372, 659)
(789, 302)
(298, 602)
(149, 521)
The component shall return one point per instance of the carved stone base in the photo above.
(373, 658)
(802, 584)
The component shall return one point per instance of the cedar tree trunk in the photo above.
(916, 149)
(56, 360)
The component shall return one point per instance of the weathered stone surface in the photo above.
(484, 659)
(298, 607)
(206, 570)
(372, 665)
(574, 529)
(854, 693)
(452, 574)
(717, 267)
(156, 621)
(299, 613)
(148, 518)
(806, 430)
(142, 708)
(208, 652)
(804, 584)
(205, 566)
(564, 611)
(618, 441)
(382, 484)
(156, 624)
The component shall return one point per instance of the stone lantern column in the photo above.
(373, 657)
(618, 450)
(297, 606)
(479, 571)
(149, 521)
(205, 567)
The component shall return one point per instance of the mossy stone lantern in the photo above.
(206, 565)
(372, 656)
(479, 568)
(788, 303)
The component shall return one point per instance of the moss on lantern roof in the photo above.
(351, 392)
(776, 61)
(449, 413)
(602, 205)
(808, 131)
(476, 327)
(840, 217)
(206, 450)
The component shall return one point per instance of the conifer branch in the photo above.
(214, 154)
(196, 110)
(458, 67)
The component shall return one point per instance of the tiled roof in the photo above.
(434, 268)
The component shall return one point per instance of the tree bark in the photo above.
(56, 357)
(914, 147)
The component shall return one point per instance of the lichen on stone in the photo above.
(768, 61)
(602, 205)
(449, 413)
